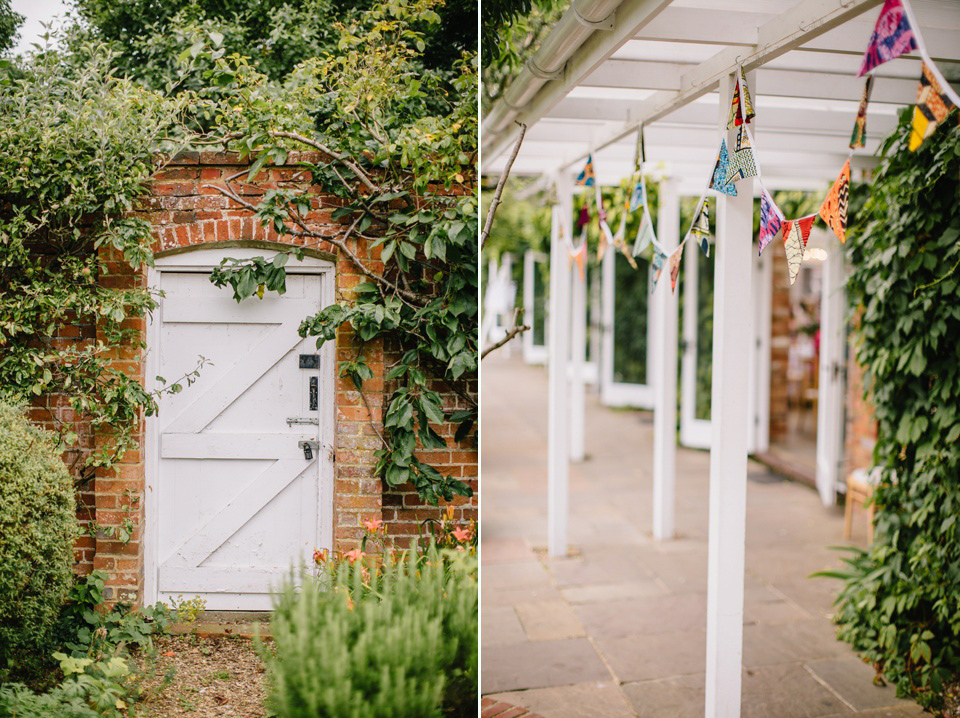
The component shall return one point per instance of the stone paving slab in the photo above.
(618, 627)
(583, 700)
(540, 664)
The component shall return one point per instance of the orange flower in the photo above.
(374, 526)
(320, 555)
(462, 534)
(353, 555)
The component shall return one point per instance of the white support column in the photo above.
(732, 334)
(664, 315)
(578, 357)
(831, 392)
(557, 428)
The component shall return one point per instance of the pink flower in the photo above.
(373, 526)
(462, 534)
(353, 555)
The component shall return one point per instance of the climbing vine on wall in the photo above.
(900, 607)
(402, 174)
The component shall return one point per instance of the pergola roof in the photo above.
(658, 62)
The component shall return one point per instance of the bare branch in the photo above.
(500, 185)
(518, 328)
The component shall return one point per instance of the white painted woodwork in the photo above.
(612, 392)
(232, 503)
(728, 451)
(665, 309)
(578, 360)
(558, 434)
(759, 436)
(832, 380)
(532, 353)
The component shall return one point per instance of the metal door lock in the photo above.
(308, 447)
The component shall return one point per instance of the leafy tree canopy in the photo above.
(10, 21)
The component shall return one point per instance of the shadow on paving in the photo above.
(618, 628)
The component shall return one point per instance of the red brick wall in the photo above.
(779, 347)
(184, 212)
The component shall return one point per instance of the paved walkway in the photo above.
(618, 628)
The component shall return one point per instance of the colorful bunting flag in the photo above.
(720, 170)
(771, 219)
(586, 177)
(637, 196)
(656, 264)
(933, 106)
(640, 156)
(859, 136)
(584, 218)
(700, 229)
(796, 232)
(645, 235)
(742, 164)
(834, 207)
(892, 36)
(741, 107)
(675, 267)
(579, 256)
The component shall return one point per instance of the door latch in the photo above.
(308, 447)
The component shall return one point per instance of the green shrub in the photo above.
(901, 607)
(37, 529)
(399, 641)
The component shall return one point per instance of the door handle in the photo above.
(308, 447)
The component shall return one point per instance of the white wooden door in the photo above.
(238, 501)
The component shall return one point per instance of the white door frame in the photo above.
(832, 379)
(202, 260)
(616, 393)
(533, 353)
(696, 433)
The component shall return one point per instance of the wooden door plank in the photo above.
(238, 511)
(233, 446)
(221, 579)
(225, 310)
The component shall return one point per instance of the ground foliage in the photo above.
(402, 174)
(900, 607)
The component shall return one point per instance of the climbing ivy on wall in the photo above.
(900, 606)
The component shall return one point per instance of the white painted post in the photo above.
(578, 357)
(596, 326)
(509, 298)
(732, 334)
(665, 318)
(557, 430)
(830, 394)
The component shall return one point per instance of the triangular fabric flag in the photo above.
(641, 154)
(675, 267)
(700, 229)
(771, 219)
(645, 235)
(742, 164)
(892, 36)
(720, 170)
(579, 256)
(622, 246)
(741, 107)
(933, 106)
(859, 136)
(636, 196)
(794, 249)
(656, 264)
(584, 218)
(834, 207)
(586, 177)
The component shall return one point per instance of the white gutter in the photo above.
(580, 21)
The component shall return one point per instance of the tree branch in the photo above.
(518, 328)
(500, 185)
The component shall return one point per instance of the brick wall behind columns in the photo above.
(779, 346)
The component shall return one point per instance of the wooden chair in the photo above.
(860, 485)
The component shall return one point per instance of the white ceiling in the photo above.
(806, 98)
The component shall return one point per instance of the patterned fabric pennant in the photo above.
(933, 106)
(586, 177)
(794, 249)
(741, 107)
(859, 136)
(742, 164)
(700, 229)
(834, 207)
(892, 36)
(641, 154)
(675, 267)
(579, 256)
(656, 265)
(636, 197)
(720, 170)
(645, 235)
(771, 219)
(796, 232)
